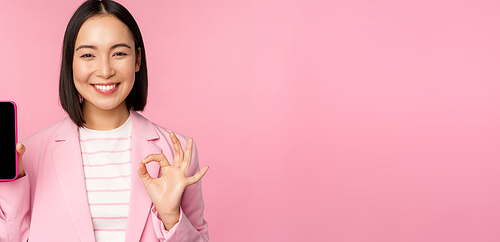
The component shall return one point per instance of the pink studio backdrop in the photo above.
(321, 120)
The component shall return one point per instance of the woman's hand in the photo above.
(20, 152)
(166, 191)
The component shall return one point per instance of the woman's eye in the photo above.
(86, 56)
(120, 54)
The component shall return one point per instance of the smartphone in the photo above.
(8, 141)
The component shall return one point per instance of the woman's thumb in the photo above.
(20, 152)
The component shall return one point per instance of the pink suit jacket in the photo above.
(50, 202)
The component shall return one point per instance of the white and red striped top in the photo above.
(106, 164)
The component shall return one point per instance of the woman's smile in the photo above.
(106, 89)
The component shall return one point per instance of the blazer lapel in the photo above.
(67, 160)
(140, 204)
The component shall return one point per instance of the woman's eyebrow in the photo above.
(120, 45)
(86, 46)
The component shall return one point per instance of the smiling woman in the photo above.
(85, 177)
(104, 67)
(103, 43)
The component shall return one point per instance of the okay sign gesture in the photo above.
(166, 191)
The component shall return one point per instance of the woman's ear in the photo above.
(138, 60)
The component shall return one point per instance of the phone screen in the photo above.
(8, 140)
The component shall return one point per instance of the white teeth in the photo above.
(105, 87)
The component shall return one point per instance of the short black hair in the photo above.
(69, 97)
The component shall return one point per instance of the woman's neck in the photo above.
(99, 119)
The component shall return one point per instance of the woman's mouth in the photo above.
(105, 89)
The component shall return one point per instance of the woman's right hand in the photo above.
(20, 152)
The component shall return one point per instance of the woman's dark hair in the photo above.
(70, 99)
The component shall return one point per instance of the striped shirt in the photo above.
(106, 164)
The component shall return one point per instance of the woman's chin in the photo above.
(105, 106)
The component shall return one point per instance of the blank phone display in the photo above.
(8, 154)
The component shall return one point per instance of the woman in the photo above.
(77, 178)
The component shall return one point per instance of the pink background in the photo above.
(321, 120)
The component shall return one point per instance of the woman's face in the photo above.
(104, 63)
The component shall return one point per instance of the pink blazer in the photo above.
(50, 202)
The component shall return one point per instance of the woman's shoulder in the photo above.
(46, 134)
(159, 130)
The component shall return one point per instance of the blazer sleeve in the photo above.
(192, 227)
(15, 210)
(16, 197)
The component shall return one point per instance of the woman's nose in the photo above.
(105, 68)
